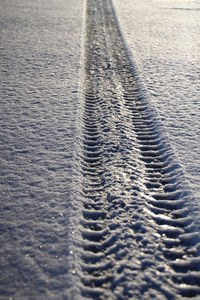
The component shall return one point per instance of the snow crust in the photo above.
(163, 37)
(40, 68)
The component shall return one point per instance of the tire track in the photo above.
(138, 237)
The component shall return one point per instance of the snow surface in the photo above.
(40, 76)
(163, 37)
(40, 62)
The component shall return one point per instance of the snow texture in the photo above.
(163, 37)
(87, 172)
(138, 235)
(40, 62)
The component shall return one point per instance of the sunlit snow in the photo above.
(164, 39)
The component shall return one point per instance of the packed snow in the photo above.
(163, 37)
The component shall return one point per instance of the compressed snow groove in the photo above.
(139, 240)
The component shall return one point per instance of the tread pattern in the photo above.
(138, 237)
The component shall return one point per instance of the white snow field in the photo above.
(94, 202)
(164, 39)
(40, 51)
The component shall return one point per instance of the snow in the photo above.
(163, 37)
(40, 68)
(42, 107)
